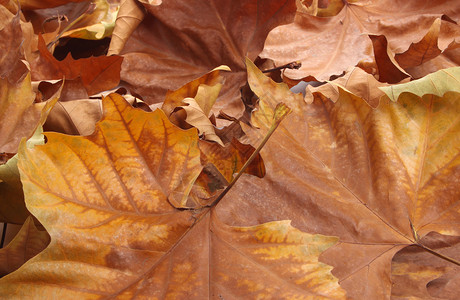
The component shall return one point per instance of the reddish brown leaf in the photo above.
(417, 273)
(28, 242)
(97, 73)
(388, 69)
(181, 40)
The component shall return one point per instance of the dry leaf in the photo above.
(97, 73)
(26, 244)
(380, 179)
(19, 114)
(329, 46)
(179, 41)
(129, 17)
(438, 84)
(106, 202)
(12, 206)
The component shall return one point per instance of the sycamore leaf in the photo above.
(447, 59)
(26, 244)
(97, 73)
(106, 202)
(438, 83)
(387, 68)
(211, 81)
(379, 179)
(329, 46)
(171, 47)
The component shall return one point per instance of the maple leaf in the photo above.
(328, 46)
(171, 47)
(106, 202)
(380, 179)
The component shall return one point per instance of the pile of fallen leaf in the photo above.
(172, 167)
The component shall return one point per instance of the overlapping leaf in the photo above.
(380, 179)
(329, 46)
(106, 201)
(179, 41)
(12, 206)
(28, 242)
(96, 73)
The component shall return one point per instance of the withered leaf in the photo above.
(330, 45)
(27, 243)
(97, 73)
(380, 179)
(106, 202)
(179, 41)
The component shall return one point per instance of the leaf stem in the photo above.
(447, 258)
(295, 65)
(281, 111)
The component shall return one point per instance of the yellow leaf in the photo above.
(438, 83)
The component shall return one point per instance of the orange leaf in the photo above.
(106, 201)
(97, 73)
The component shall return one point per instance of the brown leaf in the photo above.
(97, 73)
(380, 179)
(328, 46)
(388, 69)
(179, 41)
(417, 273)
(12, 205)
(39, 4)
(106, 201)
(28, 242)
(230, 159)
(19, 114)
(11, 51)
(129, 16)
(441, 35)
(448, 59)
(356, 81)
